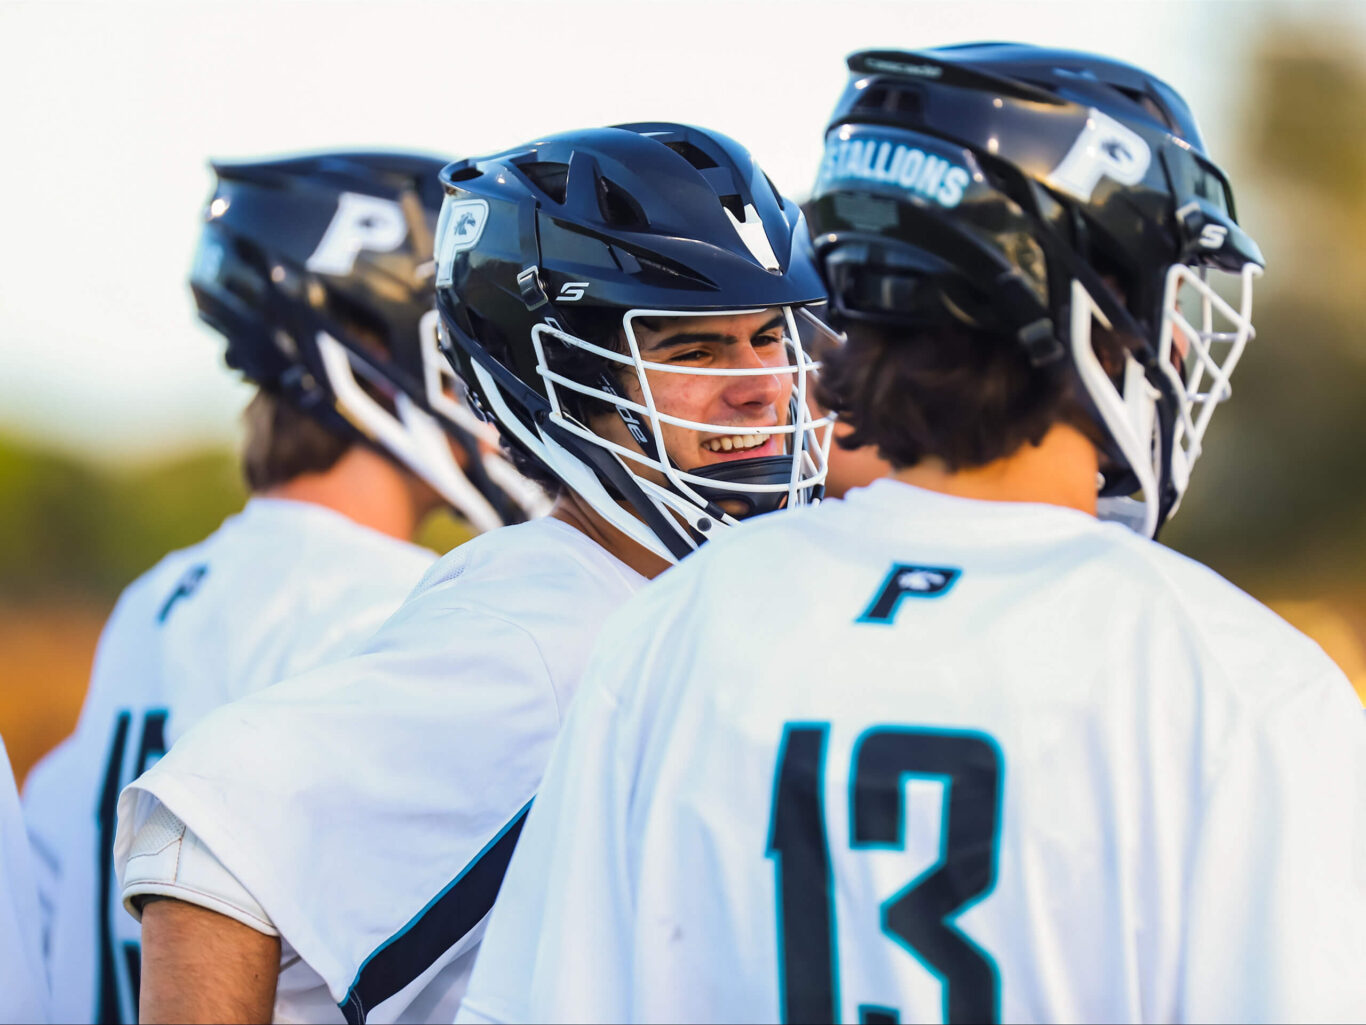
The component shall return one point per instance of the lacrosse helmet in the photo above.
(609, 227)
(318, 272)
(1036, 193)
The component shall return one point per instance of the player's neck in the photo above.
(1061, 470)
(365, 488)
(572, 509)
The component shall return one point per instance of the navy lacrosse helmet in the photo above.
(1031, 192)
(318, 271)
(549, 252)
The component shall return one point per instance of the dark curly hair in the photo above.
(283, 442)
(964, 396)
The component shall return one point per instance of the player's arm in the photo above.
(209, 951)
(200, 966)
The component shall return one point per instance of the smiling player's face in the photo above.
(735, 404)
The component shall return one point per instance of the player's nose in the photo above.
(757, 390)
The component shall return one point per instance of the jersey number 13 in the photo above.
(920, 916)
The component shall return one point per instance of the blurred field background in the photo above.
(1278, 504)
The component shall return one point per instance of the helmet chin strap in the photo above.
(763, 470)
(634, 425)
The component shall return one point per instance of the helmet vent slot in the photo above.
(692, 154)
(618, 207)
(902, 101)
(364, 327)
(1150, 106)
(666, 273)
(735, 205)
(464, 174)
(550, 177)
(251, 255)
(246, 277)
(782, 203)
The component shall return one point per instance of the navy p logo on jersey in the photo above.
(184, 588)
(906, 580)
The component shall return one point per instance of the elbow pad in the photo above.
(167, 860)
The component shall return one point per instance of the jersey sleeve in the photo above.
(558, 944)
(1276, 929)
(369, 806)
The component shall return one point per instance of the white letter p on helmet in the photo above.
(361, 222)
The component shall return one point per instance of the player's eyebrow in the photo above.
(698, 337)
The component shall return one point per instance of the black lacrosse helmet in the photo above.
(318, 271)
(542, 246)
(1026, 191)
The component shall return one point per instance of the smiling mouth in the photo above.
(734, 442)
(741, 446)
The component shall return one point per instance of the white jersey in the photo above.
(915, 758)
(370, 807)
(23, 983)
(278, 588)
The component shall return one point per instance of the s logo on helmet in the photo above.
(1104, 148)
(1213, 236)
(361, 222)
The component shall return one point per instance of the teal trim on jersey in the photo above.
(878, 616)
(776, 857)
(868, 1014)
(353, 1007)
(949, 921)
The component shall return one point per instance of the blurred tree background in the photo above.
(81, 533)
(76, 534)
(1278, 505)
(1279, 502)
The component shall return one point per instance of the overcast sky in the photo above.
(112, 109)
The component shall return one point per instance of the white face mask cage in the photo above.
(807, 439)
(442, 386)
(409, 433)
(1129, 411)
(570, 469)
(1212, 350)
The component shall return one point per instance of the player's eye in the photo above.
(773, 348)
(688, 356)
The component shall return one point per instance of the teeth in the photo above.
(734, 442)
